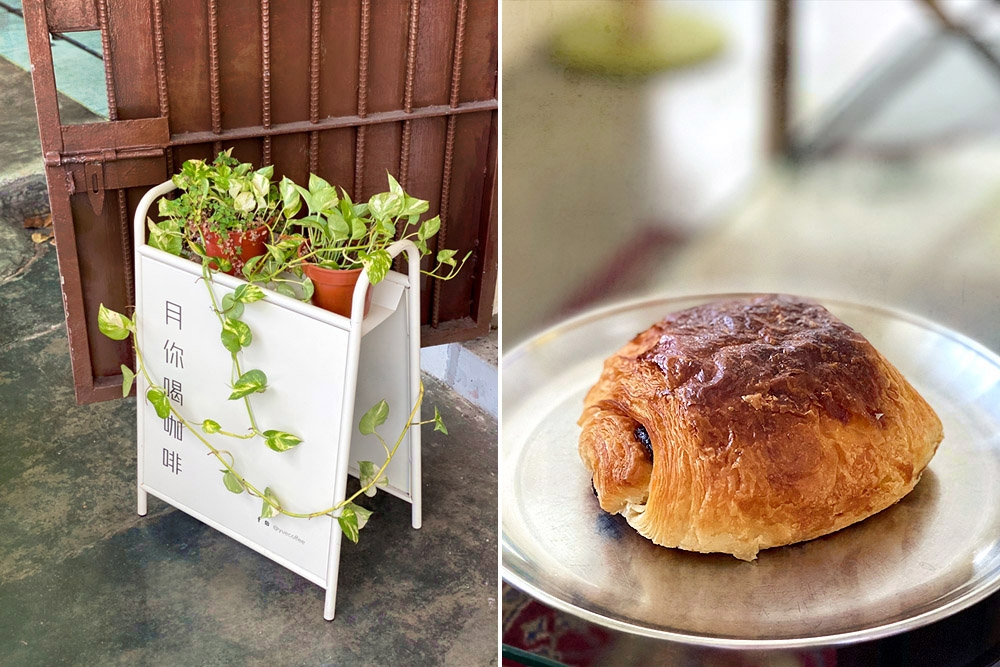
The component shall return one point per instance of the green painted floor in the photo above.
(85, 581)
(76, 60)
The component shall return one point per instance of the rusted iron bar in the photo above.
(297, 127)
(265, 77)
(411, 61)
(449, 152)
(359, 142)
(314, 60)
(109, 77)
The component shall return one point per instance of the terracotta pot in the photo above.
(334, 288)
(237, 247)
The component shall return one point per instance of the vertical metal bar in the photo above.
(109, 77)
(265, 68)
(359, 144)
(161, 74)
(449, 152)
(213, 70)
(456, 63)
(411, 60)
(126, 236)
(781, 18)
(314, 86)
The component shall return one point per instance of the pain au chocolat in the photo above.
(752, 423)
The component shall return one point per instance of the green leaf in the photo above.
(378, 265)
(160, 402)
(286, 289)
(230, 341)
(251, 382)
(166, 235)
(367, 472)
(439, 423)
(339, 229)
(251, 264)
(358, 228)
(244, 202)
(307, 289)
(248, 293)
(232, 482)
(112, 324)
(348, 521)
(394, 186)
(316, 183)
(239, 335)
(429, 228)
(385, 205)
(446, 257)
(211, 426)
(128, 377)
(231, 307)
(360, 512)
(386, 228)
(269, 509)
(413, 206)
(290, 200)
(280, 441)
(374, 418)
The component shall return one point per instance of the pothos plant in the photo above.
(235, 335)
(219, 203)
(337, 233)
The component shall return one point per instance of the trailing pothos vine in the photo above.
(235, 335)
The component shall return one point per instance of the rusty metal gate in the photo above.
(347, 89)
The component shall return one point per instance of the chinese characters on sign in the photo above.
(175, 354)
(174, 427)
(171, 461)
(173, 387)
(174, 314)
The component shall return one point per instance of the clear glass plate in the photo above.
(932, 554)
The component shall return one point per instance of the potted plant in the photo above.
(326, 250)
(222, 402)
(224, 211)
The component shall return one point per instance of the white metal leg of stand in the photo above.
(347, 428)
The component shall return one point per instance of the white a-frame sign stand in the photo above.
(324, 371)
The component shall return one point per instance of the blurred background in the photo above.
(860, 161)
(845, 149)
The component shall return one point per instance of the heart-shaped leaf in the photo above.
(280, 441)
(231, 307)
(374, 418)
(113, 324)
(270, 504)
(158, 398)
(248, 293)
(439, 423)
(128, 377)
(235, 335)
(348, 521)
(232, 482)
(251, 382)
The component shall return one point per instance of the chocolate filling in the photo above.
(643, 437)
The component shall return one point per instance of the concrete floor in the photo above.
(85, 581)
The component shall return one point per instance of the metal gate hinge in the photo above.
(94, 175)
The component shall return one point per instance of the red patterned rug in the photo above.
(533, 627)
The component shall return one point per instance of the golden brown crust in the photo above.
(770, 422)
